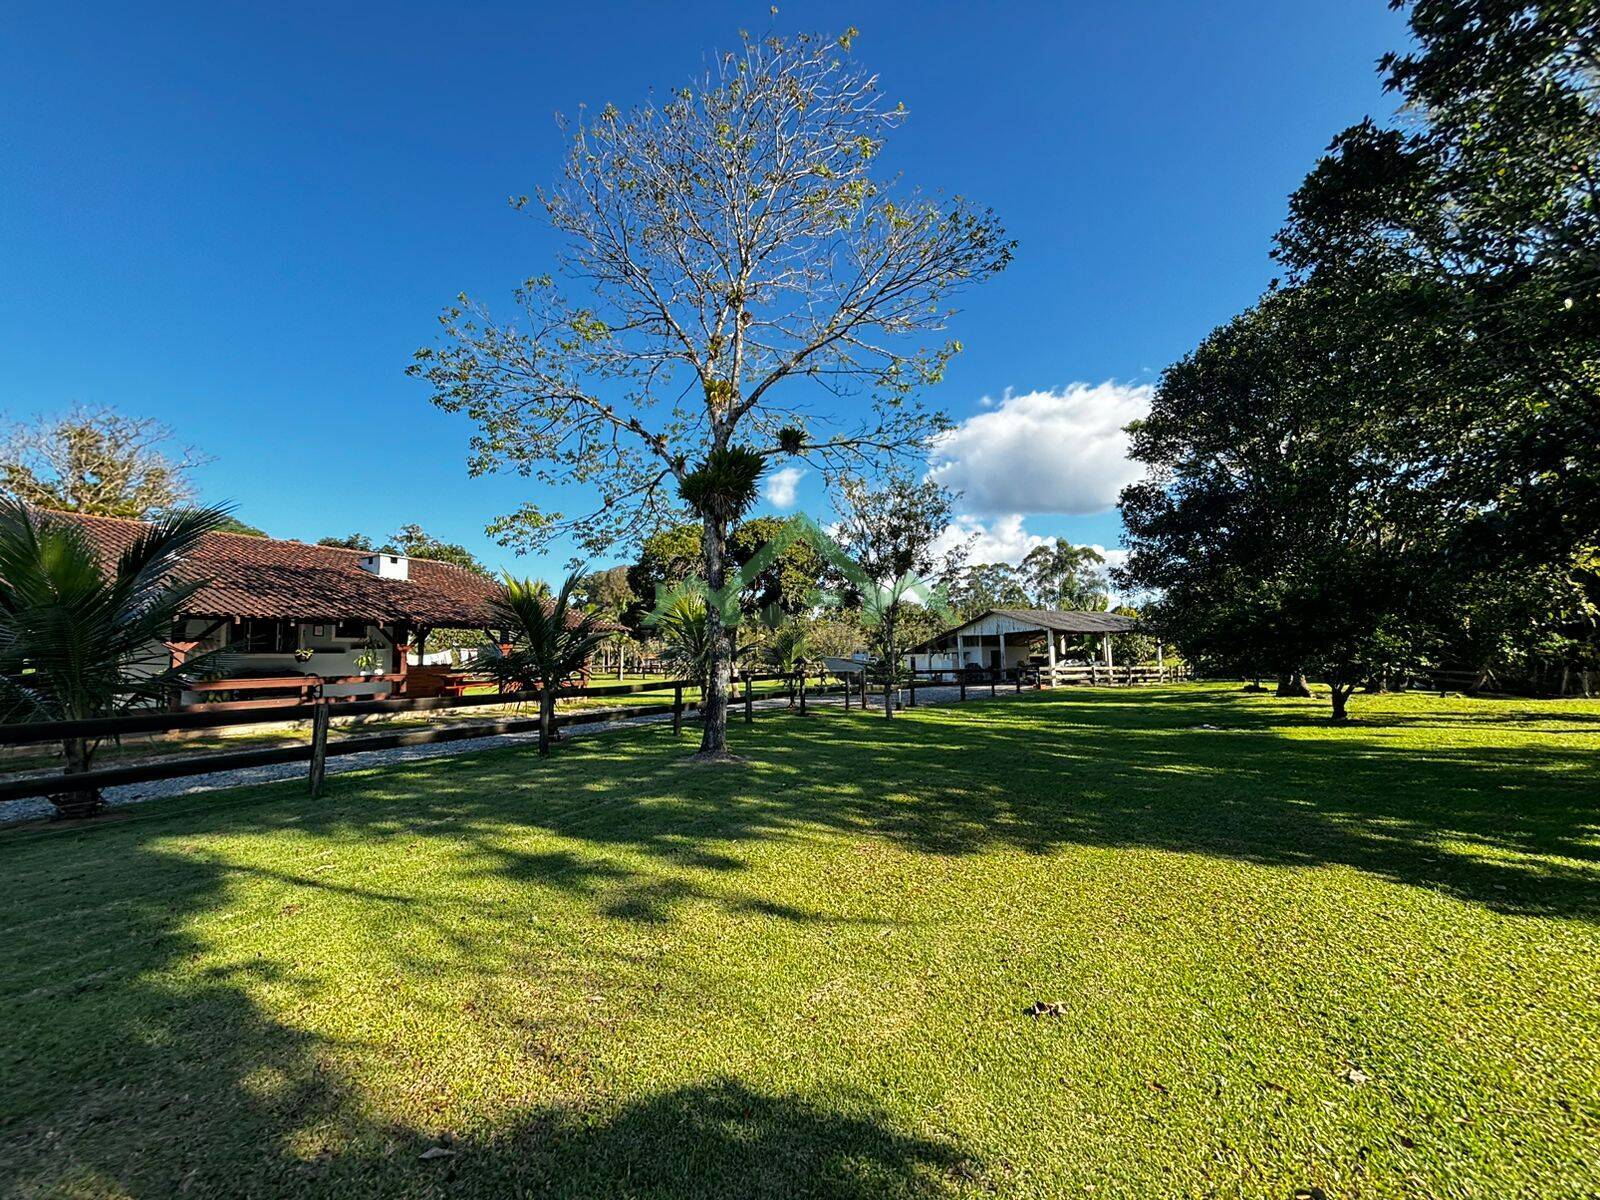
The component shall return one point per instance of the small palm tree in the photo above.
(79, 642)
(786, 641)
(685, 635)
(552, 638)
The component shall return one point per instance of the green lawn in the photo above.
(1280, 956)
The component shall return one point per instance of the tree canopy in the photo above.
(1343, 478)
(727, 252)
(99, 462)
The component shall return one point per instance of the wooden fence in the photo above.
(318, 712)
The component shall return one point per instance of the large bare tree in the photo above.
(97, 461)
(723, 249)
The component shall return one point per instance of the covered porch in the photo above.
(1053, 644)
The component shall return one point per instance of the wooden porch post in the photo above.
(179, 652)
(400, 656)
(1050, 653)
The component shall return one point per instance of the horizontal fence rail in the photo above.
(854, 685)
(234, 760)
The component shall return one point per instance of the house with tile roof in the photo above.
(282, 608)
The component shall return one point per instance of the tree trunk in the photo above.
(714, 699)
(1293, 683)
(547, 712)
(87, 801)
(1341, 693)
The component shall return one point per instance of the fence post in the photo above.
(863, 687)
(961, 680)
(802, 693)
(993, 676)
(1021, 671)
(911, 690)
(846, 693)
(749, 709)
(677, 710)
(319, 744)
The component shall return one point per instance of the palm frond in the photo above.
(85, 639)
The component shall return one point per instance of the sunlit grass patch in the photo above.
(1011, 948)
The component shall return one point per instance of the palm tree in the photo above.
(552, 638)
(686, 636)
(79, 642)
(786, 641)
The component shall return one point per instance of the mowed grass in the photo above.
(1279, 957)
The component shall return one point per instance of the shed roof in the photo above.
(1041, 619)
(1065, 622)
(246, 576)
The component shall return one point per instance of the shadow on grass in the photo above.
(137, 1075)
(1508, 825)
(718, 1140)
(138, 1072)
(1511, 827)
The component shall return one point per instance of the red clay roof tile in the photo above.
(248, 576)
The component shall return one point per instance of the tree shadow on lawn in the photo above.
(1512, 828)
(130, 1069)
(720, 1139)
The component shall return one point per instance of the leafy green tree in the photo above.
(1136, 645)
(727, 246)
(1483, 213)
(1283, 520)
(672, 555)
(415, 542)
(891, 528)
(232, 524)
(1059, 575)
(79, 641)
(552, 639)
(353, 541)
(97, 461)
(792, 581)
(609, 594)
(667, 557)
(977, 588)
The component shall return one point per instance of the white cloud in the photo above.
(780, 485)
(1115, 556)
(1002, 540)
(1044, 452)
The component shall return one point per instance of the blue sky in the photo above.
(243, 219)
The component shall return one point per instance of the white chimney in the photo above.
(387, 566)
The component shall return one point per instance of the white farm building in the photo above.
(1004, 639)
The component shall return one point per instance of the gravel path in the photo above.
(135, 793)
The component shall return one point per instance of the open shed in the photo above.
(1007, 638)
